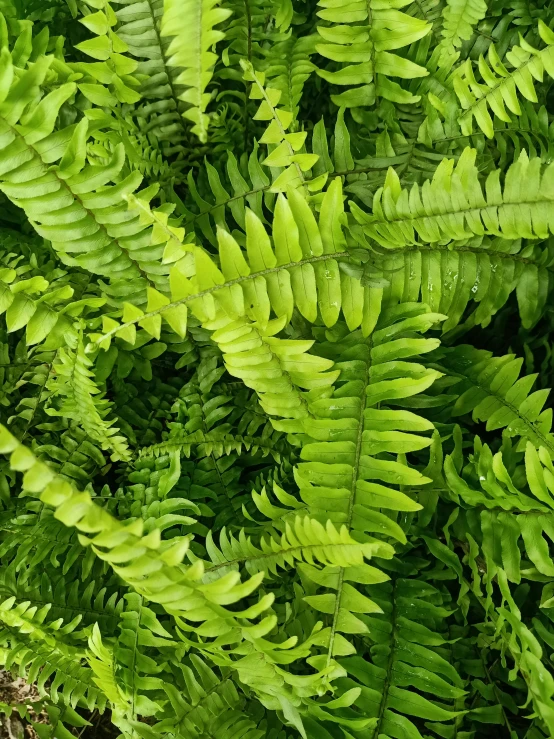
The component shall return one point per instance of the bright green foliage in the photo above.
(405, 660)
(191, 26)
(500, 87)
(276, 344)
(73, 382)
(453, 206)
(460, 17)
(376, 29)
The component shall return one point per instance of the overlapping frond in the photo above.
(44, 654)
(450, 277)
(69, 203)
(460, 17)
(140, 24)
(500, 87)
(408, 678)
(44, 307)
(109, 78)
(300, 269)
(289, 66)
(304, 540)
(455, 206)
(491, 389)
(73, 383)
(354, 466)
(507, 514)
(153, 568)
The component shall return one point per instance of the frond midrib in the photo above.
(375, 222)
(300, 548)
(389, 668)
(229, 283)
(351, 499)
(90, 213)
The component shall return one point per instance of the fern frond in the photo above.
(527, 654)
(111, 68)
(406, 676)
(51, 656)
(302, 270)
(46, 315)
(140, 559)
(72, 453)
(69, 204)
(192, 32)
(460, 16)
(207, 703)
(511, 525)
(523, 516)
(500, 87)
(491, 390)
(449, 277)
(74, 384)
(355, 440)
(217, 443)
(30, 542)
(248, 32)
(69, 601)
(139, 28)
(139, 679)
(529, 131)
(452, 206)
(102, 665)
(363, 38)
(285, 154)
(288, 69)
(303, 540)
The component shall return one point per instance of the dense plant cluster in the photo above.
(276, 332)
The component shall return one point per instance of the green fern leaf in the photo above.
(500, 87)
(73, 382)
(354, 441)
(452, 206)
(193, 34)
(460, 16)
(363, 38)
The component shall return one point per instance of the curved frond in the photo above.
(491, 389)
(500, 87)
(70, 203)
(300, 269)
(483, 270)
(140, 560)
(44, 654)
(460, 16)
(304, 540)
(74, 384)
